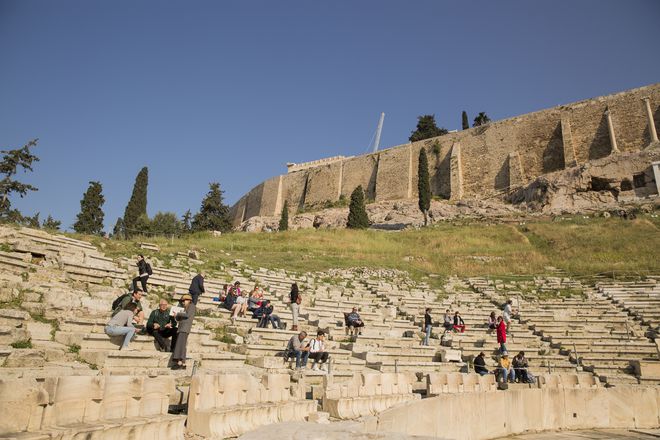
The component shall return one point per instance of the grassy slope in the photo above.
(579, 246)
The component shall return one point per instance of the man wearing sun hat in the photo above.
(505, 369)
(185, 320)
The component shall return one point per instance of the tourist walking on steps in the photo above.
(428, 325)
(185, 321)
(507, 314)
(121, 324)
(317, 351)
(196, 287)
(501, 334)
(295, 300)
(144, 271)
(162, 326)
(296, 349)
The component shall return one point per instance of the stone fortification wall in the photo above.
(474, 163)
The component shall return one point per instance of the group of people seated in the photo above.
(240, 304)
(516, 370)
(453, 323)
(301, 351)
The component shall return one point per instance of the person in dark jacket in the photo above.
(196, 287)
(480, 364)
(428, 325)
(459, 324)
(265, 315)
(185, 321)
(162, 326)
(143, 273)
(295, 305)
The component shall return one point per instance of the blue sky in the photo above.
(230, 91)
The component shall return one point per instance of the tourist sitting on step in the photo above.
(132, 298)
(505, 369)
(185, 321)
(162, 326)
(353, 322)
(297, 349)
(144, 271)
(501, 334)
(317, 351)
(448, 321)
(492, 322)
(480, 364)
(255, 299)
(265, 315)
(459, 324)
(121, 324)
(196, 288)
(521, 368)
(241, 306)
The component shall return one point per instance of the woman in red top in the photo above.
(501, 334)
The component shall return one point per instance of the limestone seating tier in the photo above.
(366, 394)
(115, 407)
(440, 383)
(230, 404)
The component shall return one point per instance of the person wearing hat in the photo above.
(506, 369)
(185, 320)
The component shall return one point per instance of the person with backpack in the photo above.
(295, 299)
(144, 271)
(122, 301)
(196, 287)
(121, 324)
(317, 351)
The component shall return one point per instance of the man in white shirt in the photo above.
(507, 314)
(317, 351)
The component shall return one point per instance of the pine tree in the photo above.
(185, 221)
(213, 215)
(118, 230)
(52, 224)
(465, 122)
(357, 211)
(11, 161)
(284, 219)
(426, 128)
(481, 119)
(137, 205)
(90, 218)
(166, 223)
(423, 185)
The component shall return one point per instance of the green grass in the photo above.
(576, 245)
(26, 343)
(74, 348)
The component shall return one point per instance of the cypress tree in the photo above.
(213, 215)
(284, 218)
(137, 205)
(357, 211)
(185, 221)
(423, 185)
(466, 122)
(118, 230)
(90, 218)
(52, 224)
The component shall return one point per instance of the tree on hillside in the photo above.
(481, 119)
(426, 128)
(137, 205)
(32, 222)
(52, 224)
(186, 221)
(90, 218)
(465, 122)
(423, 185)
(213, 215)
(357, 210)
(12, 161)
(284, 218)
(118, 230)
(166, 223)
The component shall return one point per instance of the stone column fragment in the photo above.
(570, 159)
(649, 115)
(656, 174)
(610, 127)
(456, 173)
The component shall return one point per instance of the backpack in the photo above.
(117, 302)
(149, 271)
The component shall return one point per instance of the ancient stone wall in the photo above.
(474, 163)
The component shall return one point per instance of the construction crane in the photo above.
(378, 131)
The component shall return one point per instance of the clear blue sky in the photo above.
(230, 91)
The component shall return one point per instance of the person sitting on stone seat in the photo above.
(241, 306)
(480, 364)
(505, 369)
(133, 298)
(265, 315)
(121, 324)
(255, 299)
(295, 348)
(492, 322)
(162, 326)
(521, 368)
(353, 322)
(459, 324)
(448, 322)
(317, 351)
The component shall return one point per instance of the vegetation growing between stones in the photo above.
(26, 343)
